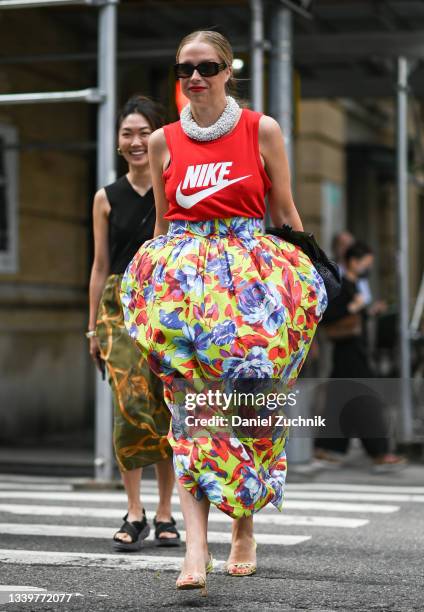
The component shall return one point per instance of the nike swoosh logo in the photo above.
(188, 201)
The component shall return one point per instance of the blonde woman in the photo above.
(213, 297)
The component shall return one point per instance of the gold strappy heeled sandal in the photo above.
(241, 569)
(195, 581)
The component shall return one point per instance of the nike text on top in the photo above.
(203, 175)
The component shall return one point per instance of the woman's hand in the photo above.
(94, 349)
(356, 304)
(376, 308)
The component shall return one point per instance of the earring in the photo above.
(119, 151)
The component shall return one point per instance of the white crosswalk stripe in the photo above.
(316, 506)
(214, 537)
(290, 502)
(214, 516)
(117, 561)
(150, 486)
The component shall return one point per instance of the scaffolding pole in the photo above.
(257, 54)
(25, 4)
(106, 173)
(281, 80)
(402, 259)
(105, 96)
(91, 95)
(299, 449)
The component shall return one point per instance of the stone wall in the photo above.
(320, 167)
(46, 383)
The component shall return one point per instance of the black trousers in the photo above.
(353, 408)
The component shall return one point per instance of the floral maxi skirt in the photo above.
(218, 300)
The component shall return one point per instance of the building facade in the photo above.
(344, 178)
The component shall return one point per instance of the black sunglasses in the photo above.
(205, 69)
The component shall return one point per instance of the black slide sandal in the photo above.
(162, 527)
(137, 530)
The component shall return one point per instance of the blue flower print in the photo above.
(262, 304)
(171, 319)
(184, 246)
(190, 280)
(193, 342)
(295, 359)
(158, 276)
(255, 365)
(224, 333)
(209, 484)
(251, 489)
(148, 294)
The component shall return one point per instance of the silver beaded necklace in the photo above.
(222, 125)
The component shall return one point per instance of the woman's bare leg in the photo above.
(196, 524)
(243, 541)
(131, 480)
(166, 480)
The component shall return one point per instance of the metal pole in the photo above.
(164, 52)
(106, 173)
(281, 79)
(403, 262)
(82, 95)
(297, 9)
(299, 449)
(24, 4)
(418, 310)
(257, 54)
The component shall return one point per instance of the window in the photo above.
(8, 199)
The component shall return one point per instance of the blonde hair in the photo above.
(221, 46)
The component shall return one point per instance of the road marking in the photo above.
(347, 487)
(24, 483)
(214, 515)
(342, 496)
(34, 487)
(116, 561)
(291, 497)
(18, 482)
(73, 531)
(79, 496)
(19, 587)
(47, 479)
(331, 506)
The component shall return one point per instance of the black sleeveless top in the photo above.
(131, 222)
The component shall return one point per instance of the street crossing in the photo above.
(57, 515)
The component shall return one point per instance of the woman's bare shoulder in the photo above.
(101, 203)
(268, 126)
(157, 141)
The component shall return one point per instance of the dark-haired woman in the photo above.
(123, 219)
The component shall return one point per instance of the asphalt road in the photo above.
(336, 546)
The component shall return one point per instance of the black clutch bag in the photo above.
(326, 268)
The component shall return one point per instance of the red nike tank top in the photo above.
(217, 179)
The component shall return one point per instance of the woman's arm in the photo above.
(271, 147)
(159, 159)
(100, 268)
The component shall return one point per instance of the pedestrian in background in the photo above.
(213, 297)
(123, 219)
(366, 416)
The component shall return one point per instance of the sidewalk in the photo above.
(357, 470)
(63, 460)
(59, 455)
